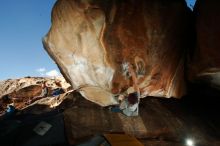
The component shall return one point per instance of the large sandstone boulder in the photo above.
(95, 42)
(206, 57)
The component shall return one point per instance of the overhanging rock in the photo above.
(94, 41)
(205, 62)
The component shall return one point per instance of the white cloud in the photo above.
(52, 73)
(41, 69)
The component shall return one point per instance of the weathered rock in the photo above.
(16, 85)
(23, 92)
(94, 41)
(27, 92)
(206, 58)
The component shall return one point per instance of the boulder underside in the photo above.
(205, 62)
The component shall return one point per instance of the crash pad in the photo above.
(122, 140)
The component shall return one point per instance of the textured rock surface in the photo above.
(11, 86)
(162, 122)
(22, 92)
(94, 41)
(206, 59)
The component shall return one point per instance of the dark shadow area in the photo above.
(161, 121)
(18, 130)
(203, 102)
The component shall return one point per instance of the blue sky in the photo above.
(191, 3)
(23, 23)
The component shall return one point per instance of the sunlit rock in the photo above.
(23, 92)
(11, 86)
(94, 41)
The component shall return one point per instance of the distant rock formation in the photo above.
(22, 92)
(205, 63)
(11, 86)
(94, 42)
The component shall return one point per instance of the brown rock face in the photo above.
(95, 42)
(206, 59)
